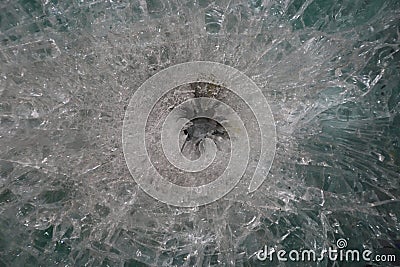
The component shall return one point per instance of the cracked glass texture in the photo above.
(329, 70)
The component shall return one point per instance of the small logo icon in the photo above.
(341, 243)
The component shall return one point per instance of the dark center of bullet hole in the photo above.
(200, 128)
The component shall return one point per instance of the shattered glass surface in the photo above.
(329, 70)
